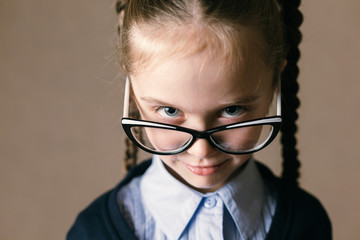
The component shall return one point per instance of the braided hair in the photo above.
(292, 19)
(131, 152)
(283, 37)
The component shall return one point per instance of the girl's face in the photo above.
(192, 92)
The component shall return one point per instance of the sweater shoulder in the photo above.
(91, 223)
(309, 217)
(102, 219)
(298, 214)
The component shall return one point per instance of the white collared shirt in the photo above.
(158, 206)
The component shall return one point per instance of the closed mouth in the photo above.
(204, 170)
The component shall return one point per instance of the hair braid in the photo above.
(289, 87)
(131, 150)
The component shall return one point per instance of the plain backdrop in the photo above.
(61, 141)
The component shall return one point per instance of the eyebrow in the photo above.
(153, 100)
(242, 100)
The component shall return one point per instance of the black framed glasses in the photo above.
(166, 139)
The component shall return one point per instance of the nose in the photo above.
(201, 148)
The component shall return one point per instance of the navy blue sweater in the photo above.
(298, 214)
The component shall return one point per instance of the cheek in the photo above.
(240, 160)
(174, 166)
(169, 160)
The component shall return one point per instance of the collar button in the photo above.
(210, 202)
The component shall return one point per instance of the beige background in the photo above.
(60, 105)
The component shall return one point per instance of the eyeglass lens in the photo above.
(232, 140)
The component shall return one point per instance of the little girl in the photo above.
(201, 79)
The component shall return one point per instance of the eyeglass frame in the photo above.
(127, 123)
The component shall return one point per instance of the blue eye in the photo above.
(168, 112)
(233, 111)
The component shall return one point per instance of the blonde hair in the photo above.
(238, 30)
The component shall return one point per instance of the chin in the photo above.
(205, 185)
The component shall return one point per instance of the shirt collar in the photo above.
(170, 202)
(242, 196)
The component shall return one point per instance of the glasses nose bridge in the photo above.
(202, 135)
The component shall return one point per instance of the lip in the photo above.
(203, 170)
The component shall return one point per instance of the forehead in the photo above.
(201, 69)
(187, 64)
(151, 45)
(196, 84)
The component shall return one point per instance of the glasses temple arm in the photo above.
(126, 98)
(278, 104)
